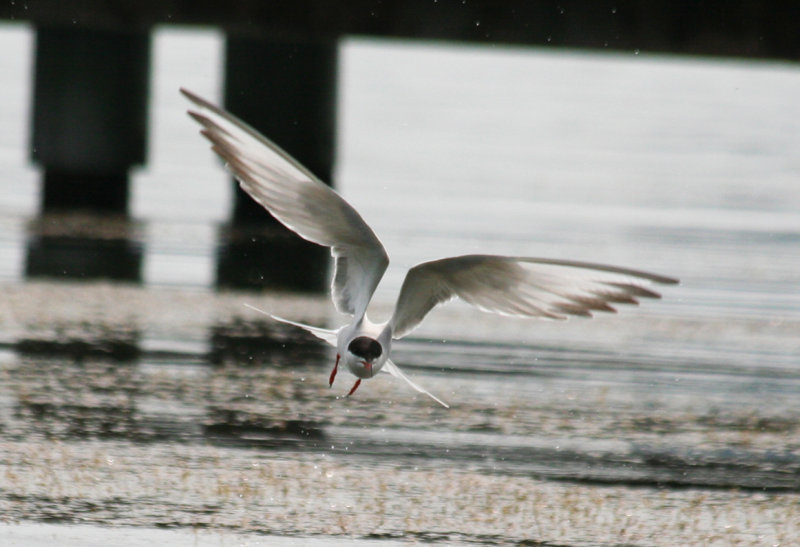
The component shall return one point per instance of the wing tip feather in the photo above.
(633, 290)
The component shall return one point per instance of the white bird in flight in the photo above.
(507, 285)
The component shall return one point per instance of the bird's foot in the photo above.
(355, 387)
(334, 371)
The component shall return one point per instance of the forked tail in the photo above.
(323, 334)
(392, 369)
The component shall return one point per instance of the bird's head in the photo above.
(365, 356)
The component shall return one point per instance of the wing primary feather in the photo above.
(243, 126)
(635, 290)
(655, 278)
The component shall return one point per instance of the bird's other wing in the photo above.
(327, 335)
(392, 369)
(299, 200)
(519, 286)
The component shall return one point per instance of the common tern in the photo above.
(506, 285)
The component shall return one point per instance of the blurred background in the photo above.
(137, 391)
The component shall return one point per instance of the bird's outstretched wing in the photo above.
(527, 287)
(392, 369)
(300, 201)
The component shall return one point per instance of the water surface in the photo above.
(168, 404)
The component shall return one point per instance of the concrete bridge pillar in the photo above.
(89, 115)
(288, 92)
(89, 128)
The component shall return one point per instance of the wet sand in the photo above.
(252, 492)
(85, 535)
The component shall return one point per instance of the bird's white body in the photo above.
(507, 285)
(364, 329)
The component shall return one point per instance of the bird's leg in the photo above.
(334, 371)
(355, 387)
